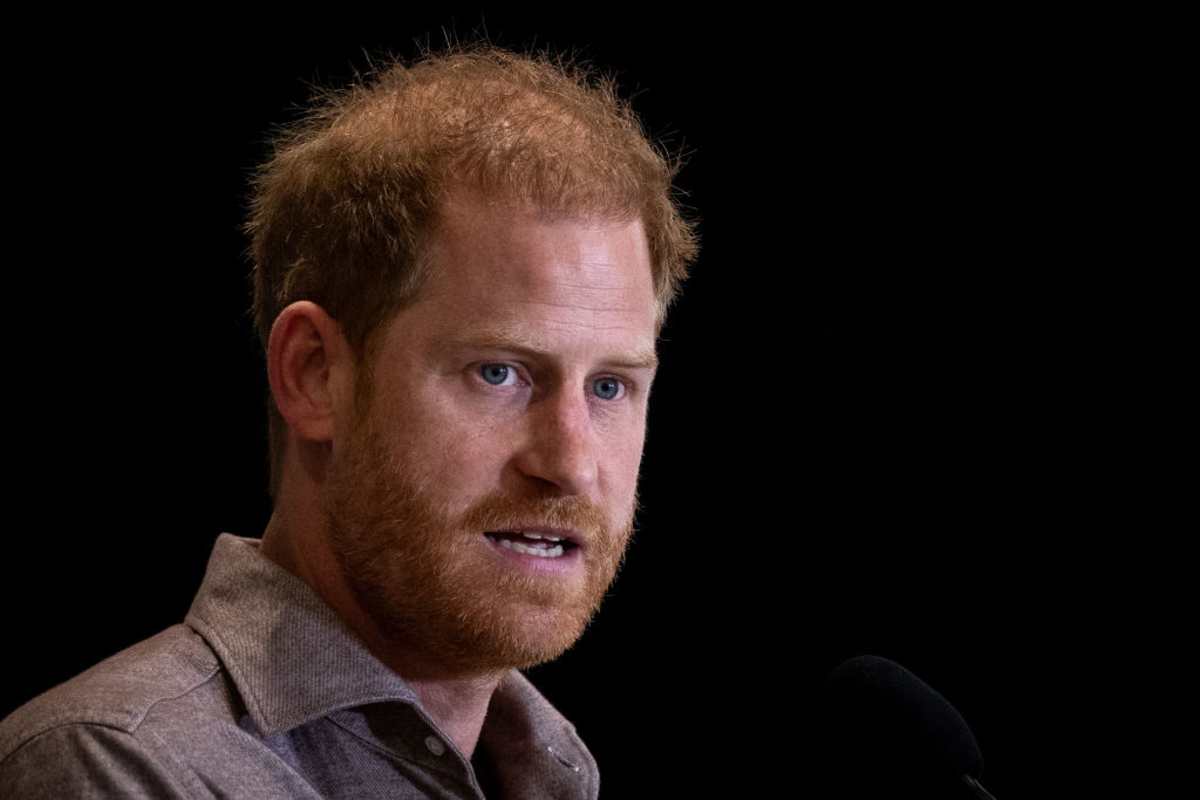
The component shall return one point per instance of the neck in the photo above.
(458, 706)
(456, 703)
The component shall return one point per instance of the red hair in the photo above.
(339, 212)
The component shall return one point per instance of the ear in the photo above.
(310, 370)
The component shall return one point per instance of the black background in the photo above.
(908, 403)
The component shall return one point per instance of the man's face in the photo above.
(511, 396)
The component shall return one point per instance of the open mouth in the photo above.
(538, 545)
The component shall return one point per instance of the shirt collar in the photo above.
(290, 656)
(293, 660)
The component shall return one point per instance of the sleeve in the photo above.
(84, 760)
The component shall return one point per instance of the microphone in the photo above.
(888, 732)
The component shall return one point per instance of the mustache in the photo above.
(501, 512)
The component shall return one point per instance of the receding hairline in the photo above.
(464, 204)
(341, 210)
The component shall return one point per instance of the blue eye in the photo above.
(505, 375)
(496, 374)
(607, 388)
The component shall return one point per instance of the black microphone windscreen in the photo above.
(883, 718)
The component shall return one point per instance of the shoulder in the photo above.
(79, 759)
(117, 696)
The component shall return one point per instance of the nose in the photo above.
(560, 445)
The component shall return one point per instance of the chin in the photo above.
(527, 638)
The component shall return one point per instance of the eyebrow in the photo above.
(502, 340)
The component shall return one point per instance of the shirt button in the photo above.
(435, 745)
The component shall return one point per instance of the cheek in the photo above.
(444, 425)
(624, 464)
(465, 459)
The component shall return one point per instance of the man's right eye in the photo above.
(498, 374)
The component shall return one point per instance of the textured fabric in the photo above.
(263, 693)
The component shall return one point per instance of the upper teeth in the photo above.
(540, 536)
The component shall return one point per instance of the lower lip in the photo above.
(569, 562)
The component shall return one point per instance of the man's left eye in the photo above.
(497, 374)
(608, 388)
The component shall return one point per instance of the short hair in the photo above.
(339, 212)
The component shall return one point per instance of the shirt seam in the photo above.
(104, 717)
(149, 753)
(215, 670)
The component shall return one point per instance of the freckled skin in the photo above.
(443, 454)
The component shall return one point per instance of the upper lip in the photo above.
(570, 534)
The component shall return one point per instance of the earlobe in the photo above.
(304, 361)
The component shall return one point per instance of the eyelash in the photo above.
(627, 385)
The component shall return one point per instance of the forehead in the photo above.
(502, 265)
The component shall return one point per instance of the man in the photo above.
(460, 272)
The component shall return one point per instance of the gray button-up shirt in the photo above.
(263, 692)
